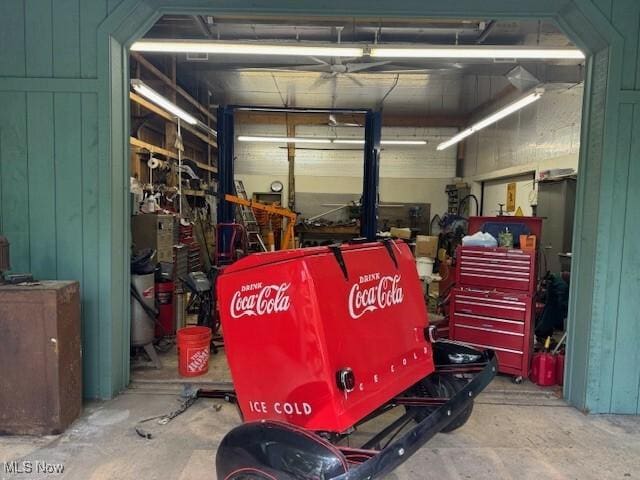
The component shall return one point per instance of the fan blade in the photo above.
(354, 80)
(319, 81)
(357, 67)
(293, 68)
(319, 60)
(311, 68)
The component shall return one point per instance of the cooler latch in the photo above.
(337, 252)
(388, 244)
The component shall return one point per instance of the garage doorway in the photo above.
(140, 20)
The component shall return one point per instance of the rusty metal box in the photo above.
(40, 357)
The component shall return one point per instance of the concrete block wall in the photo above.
(407, 173)
(546, 134)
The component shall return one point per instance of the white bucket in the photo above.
(424, 266)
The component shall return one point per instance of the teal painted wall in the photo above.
(63, 168)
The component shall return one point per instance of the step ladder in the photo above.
(248, 220)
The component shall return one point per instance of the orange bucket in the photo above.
(194, 344)
(528, 243)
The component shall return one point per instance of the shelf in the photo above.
(136, 142)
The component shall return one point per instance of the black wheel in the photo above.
(443, 386)
(517, 380)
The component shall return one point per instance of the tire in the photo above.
(441, 386)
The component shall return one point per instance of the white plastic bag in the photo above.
(479, 239)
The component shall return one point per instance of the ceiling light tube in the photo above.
(348, 141)
(493, 118)
(249, 138)
(213, 47)
(403, 142)
(478, 52)
(149, 93)
(382, 142)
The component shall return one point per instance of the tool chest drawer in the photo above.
(507, 340)
(487, 303)
(508, 327)
(501, 268)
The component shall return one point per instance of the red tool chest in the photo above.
(492, 304)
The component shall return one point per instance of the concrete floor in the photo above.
(516, 432)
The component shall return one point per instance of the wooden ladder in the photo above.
(248, 220)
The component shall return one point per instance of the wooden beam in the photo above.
(167, 116)
(136, 142)
(323, 119)
(165, 79)
(291, 158)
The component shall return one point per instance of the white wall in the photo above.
(407, 174)
(542, 136)
(546, 132)
(495, 192)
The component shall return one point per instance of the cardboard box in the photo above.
(401, 233)
(426, 246)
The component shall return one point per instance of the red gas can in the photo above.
(321, 337)
(164, 298)
(560, 368)
(543, 369)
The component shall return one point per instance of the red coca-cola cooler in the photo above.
(322, 340)
(323, 312)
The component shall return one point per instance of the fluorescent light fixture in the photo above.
(143, 89)
(403, 142)
(347, 141)
(493, 118)
(382, 142)
(478, 52)
(249, 138)
(214, 47)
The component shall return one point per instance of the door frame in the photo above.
(579, 19)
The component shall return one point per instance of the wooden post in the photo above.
(291, 158)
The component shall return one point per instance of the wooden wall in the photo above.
(62, 136)
(49, 158)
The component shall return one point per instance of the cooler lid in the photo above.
(265, 258)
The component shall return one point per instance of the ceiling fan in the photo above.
(330, 70)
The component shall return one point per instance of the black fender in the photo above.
(276, 450)
(444, 351)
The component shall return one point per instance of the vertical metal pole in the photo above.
(226, 210)
(369, 208)
(180, 147)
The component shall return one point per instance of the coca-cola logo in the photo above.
(257, 299)
(373, 292)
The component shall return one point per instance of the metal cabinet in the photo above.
(40, 357)
(556, 204)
